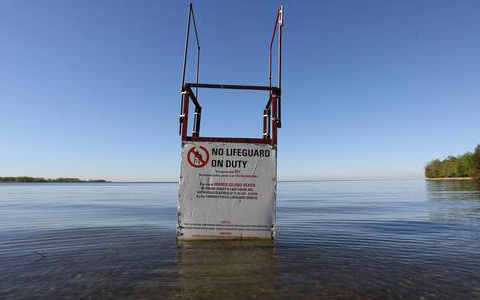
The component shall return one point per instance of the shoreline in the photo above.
(450, 178)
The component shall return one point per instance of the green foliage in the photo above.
(22, 179)
(465, 165)
(476, 163)
(41, 179)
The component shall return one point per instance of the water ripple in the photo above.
(335, 240)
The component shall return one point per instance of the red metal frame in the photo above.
(271, 113)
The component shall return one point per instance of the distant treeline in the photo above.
(41, 179)
(465, 165)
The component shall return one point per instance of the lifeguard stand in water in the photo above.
(228, 185)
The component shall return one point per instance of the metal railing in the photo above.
(271, 113)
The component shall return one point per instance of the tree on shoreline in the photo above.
(476, 163)
(465, 165)
(41, 179)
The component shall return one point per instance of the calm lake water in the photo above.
(406, 239)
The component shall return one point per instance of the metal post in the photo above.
(196, 120)
(186, 98)
(182, 100)
(182, 114)
(269, 121)
(265, 118)
(198, 48)
(270, 54)
(186, 45)
(274, 121)
(279, 120)
(280, 21)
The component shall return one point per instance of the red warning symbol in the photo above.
(198, 159)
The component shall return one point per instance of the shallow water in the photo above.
(407, 239)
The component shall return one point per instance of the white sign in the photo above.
(227, 190)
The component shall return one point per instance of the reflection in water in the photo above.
(226, 270)
(468, 188)
(454, 200)
(335, 240)
(88, 263)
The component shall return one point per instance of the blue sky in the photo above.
(371, 89)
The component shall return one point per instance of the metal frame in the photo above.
(271, 113)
